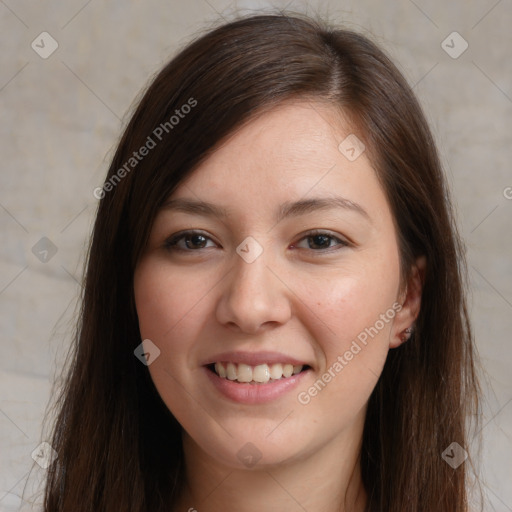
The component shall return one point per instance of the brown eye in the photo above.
(193, 240)
(317, 241)
(320, 241)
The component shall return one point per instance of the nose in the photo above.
(254, 298)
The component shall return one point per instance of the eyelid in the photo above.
(343, 241)
(170, 243)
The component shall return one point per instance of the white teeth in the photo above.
(261, 373)
(221, 371)
(231, 371)
(244, 373)
(276, 371)
(287, 370)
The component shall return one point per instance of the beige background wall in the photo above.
(61, 117)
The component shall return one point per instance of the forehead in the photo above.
(288, 153)
(294, 134)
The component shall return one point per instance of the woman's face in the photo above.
(282, 272)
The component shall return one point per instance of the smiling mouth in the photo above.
(260, 374)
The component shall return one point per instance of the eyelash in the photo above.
(171, 243)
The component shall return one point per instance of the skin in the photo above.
(304, 297)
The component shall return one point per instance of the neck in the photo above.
(326, 480)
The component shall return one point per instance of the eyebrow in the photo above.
(288, 209)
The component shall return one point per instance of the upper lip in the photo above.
(253, 358)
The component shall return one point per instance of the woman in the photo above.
(274, 311)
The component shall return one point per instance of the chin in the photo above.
(254, 448)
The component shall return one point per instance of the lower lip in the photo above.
(247, 393)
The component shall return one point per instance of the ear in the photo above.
(410, 301)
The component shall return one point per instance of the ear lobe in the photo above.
(411, 304)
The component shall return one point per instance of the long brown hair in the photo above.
(119, 447)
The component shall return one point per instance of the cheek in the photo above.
(170, 310)
(351, 321)
(351, 350)
(352, 301)
(165, 299)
